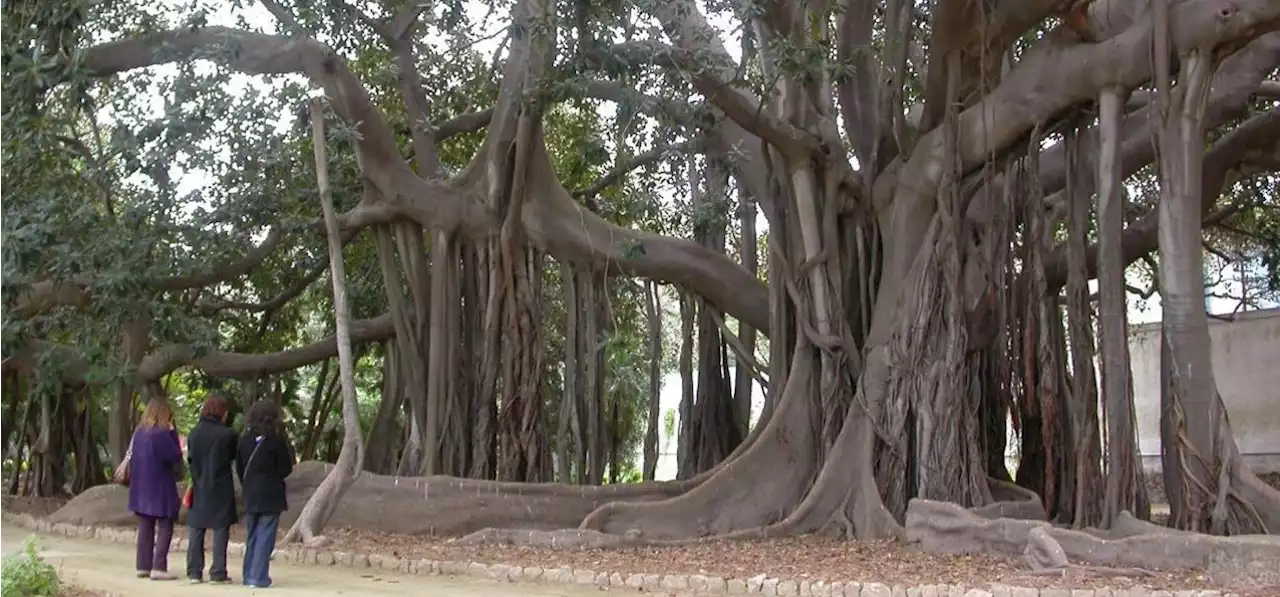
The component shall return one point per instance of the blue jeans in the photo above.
(259, 544)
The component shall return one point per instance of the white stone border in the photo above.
(683, 584)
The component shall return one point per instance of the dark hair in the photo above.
(215, 407)
(265, 418)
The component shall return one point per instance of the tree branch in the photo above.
(639, 161)
(442, 204)
(288, 294)
(226, 272)
(232, 364)
(557, 224)
(286, 19)
(469, 122)
(1058, 74)
(1237, 79)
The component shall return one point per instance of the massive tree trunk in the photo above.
(319, 509)
(1210, 489)
(797, 475)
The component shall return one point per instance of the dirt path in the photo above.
(109, 567)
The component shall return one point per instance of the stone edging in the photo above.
(681, 584)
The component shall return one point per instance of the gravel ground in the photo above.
(796, 558)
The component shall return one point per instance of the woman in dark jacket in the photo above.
(155, 463)
(211, 451)
(263, 460)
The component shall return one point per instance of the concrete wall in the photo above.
(1246, 362)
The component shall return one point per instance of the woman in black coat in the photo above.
(211, 452)
(264, 460)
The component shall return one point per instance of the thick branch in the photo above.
(441, 204)
(272, 304)
(230, 271)
(1238, 78)
(462, 123)
(560, 227)
(233, 364)
(1058, 74)
(977, 33)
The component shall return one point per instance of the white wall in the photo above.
(1246, 365)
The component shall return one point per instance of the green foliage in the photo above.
(26, 574)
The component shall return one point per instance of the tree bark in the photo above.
(1209, 487)
(568, 440)
(593, 399)
(439, 366)
(136, 337)
(684, 435)
(1083, 406)
(653, 310)
(384, 437)
(1125, 490)
(743, 384)
(319, 509)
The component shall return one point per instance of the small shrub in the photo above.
(26, 574)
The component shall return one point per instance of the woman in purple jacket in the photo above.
(154, 469)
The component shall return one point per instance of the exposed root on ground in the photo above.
(451, 506)
(1247, 560)
(1011, 501)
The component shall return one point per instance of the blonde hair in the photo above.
(158, 414)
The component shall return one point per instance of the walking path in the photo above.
(104, 566)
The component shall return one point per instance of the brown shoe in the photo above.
(162, 575)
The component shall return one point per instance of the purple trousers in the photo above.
(154, 537)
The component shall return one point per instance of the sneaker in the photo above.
(144, 573)
(220, 581)
(162, 575)
(195, 581)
